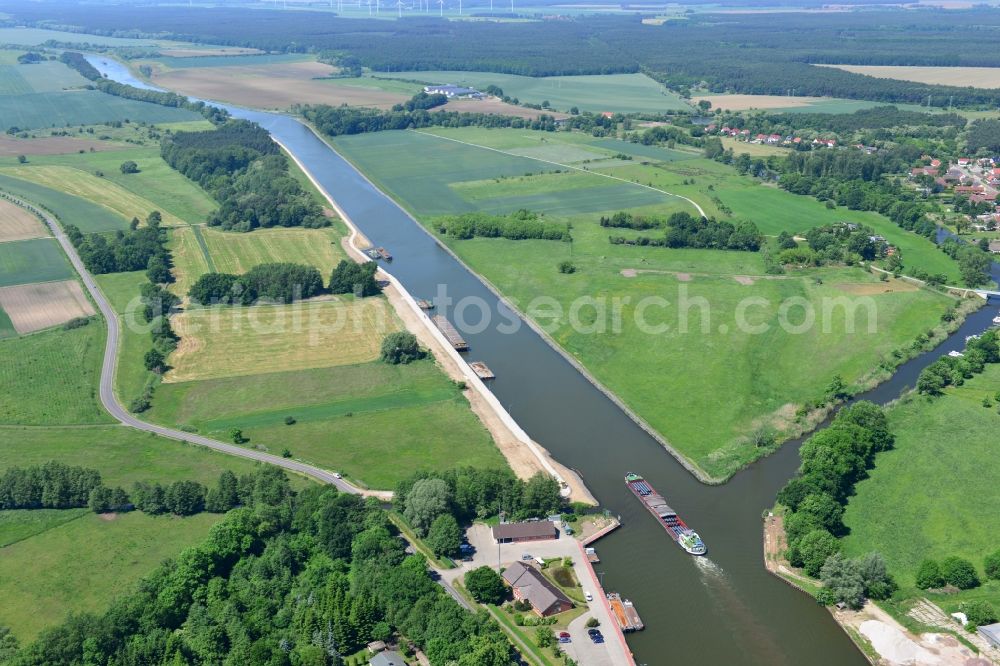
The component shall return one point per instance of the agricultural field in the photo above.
(38, 36)
(736, 102)
(35, 260)
(621, 93)
(352, 418)
(946, 447)
(155, 187)
(18, 224)
(33, 307)
(82, 107)
(761, 375)
(974, 77)
(233, 341)
(267, 82)
(89, 217)
(11, 146)
(52, 377)
(235, 252)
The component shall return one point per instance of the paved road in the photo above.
(110, 401)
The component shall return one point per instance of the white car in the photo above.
(588, 596)
(337, 475)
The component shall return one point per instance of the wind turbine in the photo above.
(440, 7)
(399, 7)
(459, 7)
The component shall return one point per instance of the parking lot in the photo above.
(614, 651)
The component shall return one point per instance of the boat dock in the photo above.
(424, 304)
(451, 333)
(378, 253)
(482, 370)
(625, 613)
(592, 556)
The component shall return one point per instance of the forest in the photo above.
(239, 165)
(686, 230)
(755, 55)
(335, 121)
(286, 578)
(276, 282)
(133, 250)
(520, 225)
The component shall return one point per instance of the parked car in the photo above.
(565, 639)
(337, 475)
(526, 557)
(588, 596)
(563, 634)
(598, 639)
(593, 632)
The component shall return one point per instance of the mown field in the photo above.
(947, 448)
(155, 187)
(975, 77)
(82, 107)
(723, 381)
(234, 252)
(89, 217)
(35, 260)
(373, 422)
(793, 104)
(16, 223)
(621, 93)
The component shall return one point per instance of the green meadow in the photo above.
(89, 217)
(705, 384)
(622, 93)
(7, 329)
(82, 107)
(947, 448)
(35, 260)
(373, 422)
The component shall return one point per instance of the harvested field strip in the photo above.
(51, 145)
(315, 413)
(18, 224)
(235, 252)
(32, 307)
(196, 230)
(87, 186)
(235, 341)
(37, 260)
(190, 260)
(90, 217)
(975, 77)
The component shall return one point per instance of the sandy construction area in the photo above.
(744, 102)
(977, 77)
(320, 333)
(51, 145)
(32, 307)
(18, 224)
(275, 86)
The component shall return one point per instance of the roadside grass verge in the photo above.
(418, 543)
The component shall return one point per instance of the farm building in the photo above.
(991, 633)
(387, 658)
(450, 91)
(535, 530)
(528, 584)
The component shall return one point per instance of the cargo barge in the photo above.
(685, 537)
(625, 613)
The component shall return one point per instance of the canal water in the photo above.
(721, 609)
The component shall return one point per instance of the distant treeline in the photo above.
(339, 120)
(837, 123)
(279, 282)
(139, 248)
(520, 225)
(239, 165)
(953, 371)
(984, 134)
(756, 55)
(686, 230)
(78, 62)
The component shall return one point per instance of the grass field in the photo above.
(155, 187)
(82, 564)
(81, 107)
(7, 329)
(36, 260)
(12, 146)
(231, 341)
(351, 418)
(16, 223)
(761, 376)
(621, 93)
(20, 524)
(234, 252)
(122, 291)
(947, 448)
(51, 377)
(793, 104)
(89, 217)
(38, 36)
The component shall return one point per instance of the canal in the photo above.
(721, 609)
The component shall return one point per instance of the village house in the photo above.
(528, 584)
(451, 91)
(532, 530)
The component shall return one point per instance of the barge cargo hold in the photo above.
(625, 613)
(685, 537)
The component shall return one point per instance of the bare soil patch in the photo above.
(108, 517)
(873, 288)
(977, 77)
(629, 272)
(32, 307)
(497, 106)
(275, 86)
(51, 145)
(683, 277)
(743, 279)
(18, 224)
(744, 102)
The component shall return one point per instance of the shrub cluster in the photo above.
(686, 230)
(278, 282)
(133, 250)
(522, 225)
(950, 370)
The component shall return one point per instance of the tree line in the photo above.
(341, 120)
(287, 578)
(139, 248)
(520, 225)
(283, 283)
(953, 371)
(686, 230)
(245, 171)
(833, 461)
